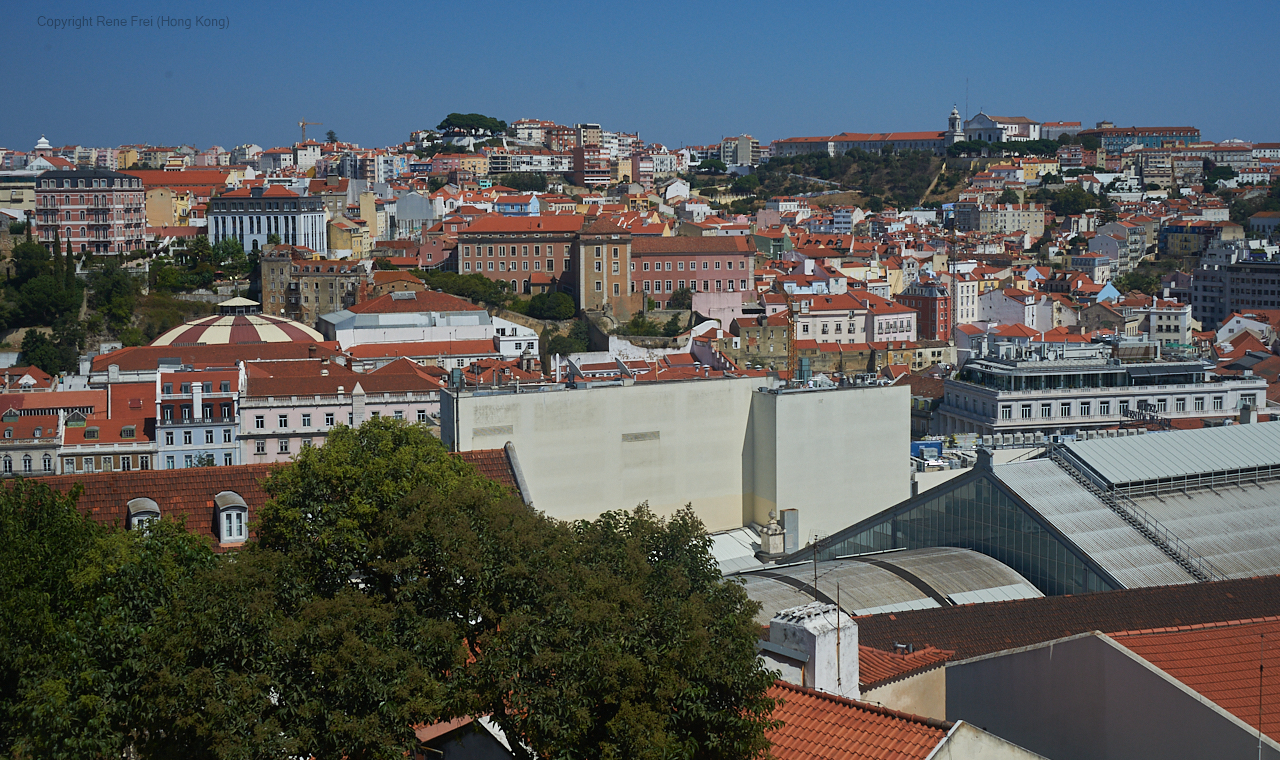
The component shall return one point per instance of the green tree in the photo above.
(43, 300)
(747, 184)
(672, 327)
(555, 306)
(681, 298)
(472, 121)
(713, 165)
(272, 239)
(113, 293)
(1009, 196)
(331, 136)
(30, 260)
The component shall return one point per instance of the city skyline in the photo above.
(701, 74)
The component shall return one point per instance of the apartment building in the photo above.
(1000, 218)
(91, 210)
(1115, 139)
(302, 289)
(520, 250)
(932, 303)
(251, 215)
(1234, 277)
(1068, 388)
(196, 417)
(663, 265)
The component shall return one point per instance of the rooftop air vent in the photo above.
(404, 295)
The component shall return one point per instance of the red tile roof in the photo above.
(693, 245)
(494, 464)
(1220, 661)
(425, 300)
(876, 666)
(817, 725)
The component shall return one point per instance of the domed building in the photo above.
(239, 321)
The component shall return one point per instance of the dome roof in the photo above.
(43, 143)
(235, 329)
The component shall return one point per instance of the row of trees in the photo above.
(389, 585)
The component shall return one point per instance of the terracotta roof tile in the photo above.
(1221, 662)
(876, 666)
(818, 725)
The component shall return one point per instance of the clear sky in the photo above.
(676, 72)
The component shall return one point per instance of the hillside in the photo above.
(900, 179)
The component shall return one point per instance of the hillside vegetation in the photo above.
(899, 179)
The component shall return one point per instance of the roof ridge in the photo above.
(868, 706)
(1196, 626)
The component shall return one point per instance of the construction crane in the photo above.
(304, 124)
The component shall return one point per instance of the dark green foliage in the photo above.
(1069, 201)
(672, 327)
(475, 286)
(554, 306)
(1090, 142)
(747, 184)
(17, 228)
(1142, 281)
(525, 181)
(900, 178)
(381, 263)
(1241, 210)
(713, 165)
(331, 136)
(113, 292)
(30, 260)
(640, 325)
(58, 353)
(577, 341)
(470, 121)
(1009, 196)
(390, 584)
(681, 298)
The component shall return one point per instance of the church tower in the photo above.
(955, 128)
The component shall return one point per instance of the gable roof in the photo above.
(977, 629)
(413, 301)
(1220, 661)
(819, 725)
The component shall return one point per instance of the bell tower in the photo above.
(955, 127)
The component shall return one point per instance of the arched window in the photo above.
(48, 463)
(26, 463)
(141, 512)
(8, 465)
(233, 517)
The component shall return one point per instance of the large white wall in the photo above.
(730, 450)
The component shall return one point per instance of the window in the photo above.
(259, 422)
(1086, 408)
(168, 389)
(306, 420)
(1162, 405)
(1006, 411)
(283, 446)
(68, 465)
(282, 421)
(1026, 411)
(226, 386)
(1217, 403)
(1199, 403)
(169, 463)
(1248, 399)
(206, 387)
(226, 459)
(186, 437)
(328, 419)
(260, 446)
(186, 388)
(422, 415)
(1104, 407)
(1180, 405)
(1124, 407)
(226, 435)
(1046, 410)
(8, 465)
(144, 462)
(599, 284)
(1064, 409)
(398, 414)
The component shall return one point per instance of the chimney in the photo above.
(829, 638)
(311, 351)
(1248, 414)
(985, 461)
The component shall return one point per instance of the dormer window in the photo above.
(128, 431)
(90, 434)
(141, 512)
(233, 517)
(38, 432)
(8, 432)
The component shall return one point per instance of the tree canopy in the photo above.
(388, 584)
(472, 121)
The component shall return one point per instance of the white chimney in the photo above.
(830, 640)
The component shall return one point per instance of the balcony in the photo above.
(196, 421)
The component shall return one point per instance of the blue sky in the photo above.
(676, 72)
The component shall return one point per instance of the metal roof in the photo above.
(1180, 453)
(1090, 524)
(894, 583)
(1236, 527)
(735, 550)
